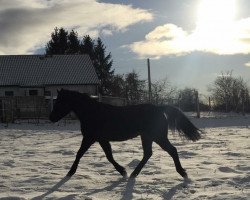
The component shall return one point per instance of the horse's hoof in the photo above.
(132, 178)
(185, 176)
(124, 174)
(183, 173)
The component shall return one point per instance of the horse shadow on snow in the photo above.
(127, 193)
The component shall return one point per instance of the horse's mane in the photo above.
(75, 94)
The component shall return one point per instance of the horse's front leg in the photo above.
(108, 152)
(86, 143)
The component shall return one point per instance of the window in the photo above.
(9, 93)
(33, 92)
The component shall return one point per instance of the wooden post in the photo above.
(99, 97)
(149, 82)
(197, 103)
(209, 103)
(12, 111)
(179, 101)
(3, 111)
(51, 102)
(243, 102)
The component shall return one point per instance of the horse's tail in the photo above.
(178, 121)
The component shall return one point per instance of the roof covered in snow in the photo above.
(40, 70)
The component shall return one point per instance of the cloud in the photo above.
(221, 39)
(163, 40)
(247, 64)
(27, 25)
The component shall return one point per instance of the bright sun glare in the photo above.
(214, 24)
(211, 12)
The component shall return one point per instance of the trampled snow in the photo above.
(34, 160)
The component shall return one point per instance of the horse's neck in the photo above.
(83, 109)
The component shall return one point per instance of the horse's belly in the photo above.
(118, 135)
(119, 128)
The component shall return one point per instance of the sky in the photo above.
(189, 42)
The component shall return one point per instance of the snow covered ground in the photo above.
(35, 158)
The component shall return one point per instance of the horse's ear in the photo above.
(57, 91)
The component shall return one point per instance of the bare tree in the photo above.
(187, 99)
(134, 88)
(227, 92)
(163, 92)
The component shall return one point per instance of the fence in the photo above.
(34, 108)
(28, 107)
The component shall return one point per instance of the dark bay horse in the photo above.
(104, 123)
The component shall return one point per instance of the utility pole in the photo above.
(149, 82)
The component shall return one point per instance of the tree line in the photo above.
(227, 93)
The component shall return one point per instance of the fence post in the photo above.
(197, 103)
(100, 97)
(12, 110)
(243, 102)
(179, 101)
(3, 111)
(51, 102)
(209, 103)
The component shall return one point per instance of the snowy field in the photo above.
(35, 158)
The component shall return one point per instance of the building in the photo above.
(39, 75)
(29, 83)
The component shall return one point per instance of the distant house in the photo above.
(39, 75)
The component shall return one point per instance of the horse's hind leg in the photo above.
(147, 153)
(86, 143)
(167, 146)
(108, 152)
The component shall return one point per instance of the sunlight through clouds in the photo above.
(216, 32)
(163, 40)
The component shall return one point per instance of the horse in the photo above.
(104, 123)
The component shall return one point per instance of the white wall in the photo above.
(18, 91)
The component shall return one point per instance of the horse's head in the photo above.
(61, 107)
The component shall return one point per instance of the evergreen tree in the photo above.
(73, 43)
(59, 42)
(103, 64)
(87, 47)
